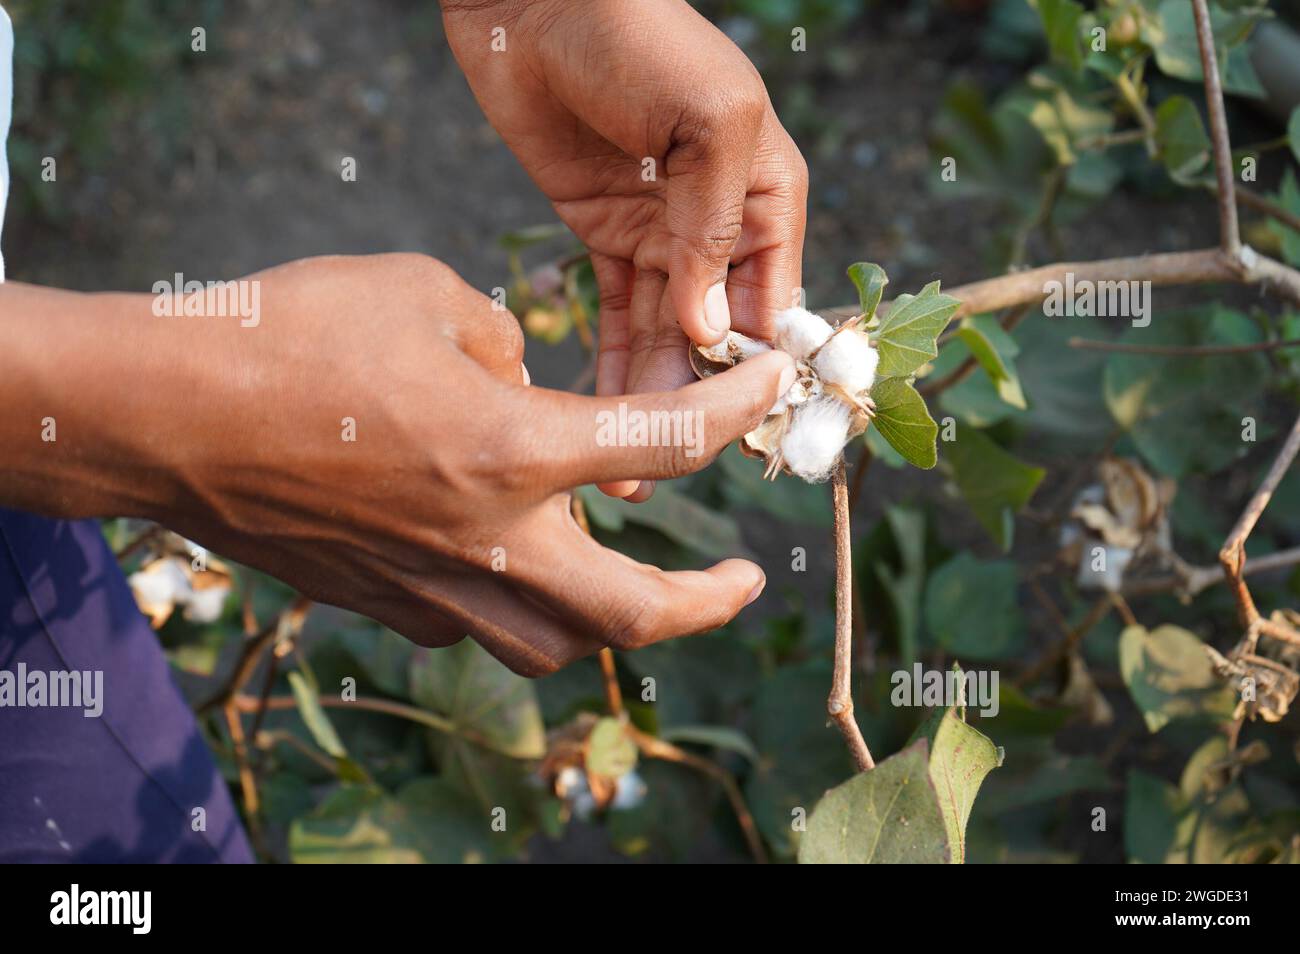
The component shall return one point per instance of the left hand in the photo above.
(654, 138)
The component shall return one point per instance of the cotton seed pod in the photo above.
(708, 360)
(847, 360)
(816, 436)
(799, 332)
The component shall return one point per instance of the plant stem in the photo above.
(840, 702)
(656, 748)
(1229, 235)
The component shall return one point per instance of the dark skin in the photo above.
(449, 514)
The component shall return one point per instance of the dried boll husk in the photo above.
(828, 405)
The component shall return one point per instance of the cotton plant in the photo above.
(848, 376)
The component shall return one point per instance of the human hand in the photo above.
(370, 441)
(593, 97)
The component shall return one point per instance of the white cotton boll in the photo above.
(848, 361)
(1109, 576)
(162, 582)
(748, 347)
(630, 791)
(205, 606)
(817, 435)
(799, 332)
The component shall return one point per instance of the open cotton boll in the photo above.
(817, 435)
(799, 332)
(848, 361)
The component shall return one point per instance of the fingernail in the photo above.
(754, 593)
(716, 313)
(788, 374)
(528, 378)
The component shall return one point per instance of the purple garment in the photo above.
(119, 787)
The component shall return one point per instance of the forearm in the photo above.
(80, 388)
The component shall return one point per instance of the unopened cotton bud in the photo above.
(817, 435)
(799, 332)
(848, 361)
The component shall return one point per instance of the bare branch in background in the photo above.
(1229, 234)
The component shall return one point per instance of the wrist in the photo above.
(79, 378)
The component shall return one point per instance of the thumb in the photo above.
(708, 171)
(651, 436)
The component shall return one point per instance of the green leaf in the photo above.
(794, 500)
(911, 808)
(427, 822)
(907, 527)
(960, 758)
(1289, 198)
(1169, 676)
(313, 714)
(680, 518)
(1172, 34)
(906, 337)
(799, 757)
(1061, 24)
(479, 694)
(995, 350)
(610, 750)
(1062, 111)
(971, 608)
(870, 280)
(994, 484)
(1180, 134)
(1174, 408)
(904, 421)
(718, 736)
(889, 815)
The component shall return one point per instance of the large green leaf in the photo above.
(680, 518)
(904, 586)
(971, 608)
(994, 483)
(1175, 408)
(479, 694)
(1172, 34)
(799, 757)
(911, 808)
(906, 337)
(904, 421)
(428, 821)
(960, 758)
(794, 500)
(1169, 676)
(889, 815)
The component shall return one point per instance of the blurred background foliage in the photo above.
(1061, 150)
